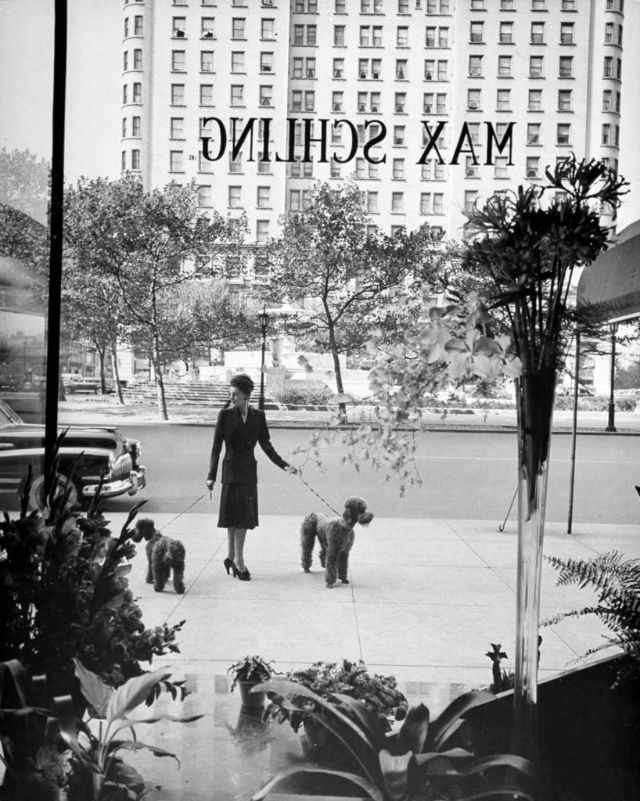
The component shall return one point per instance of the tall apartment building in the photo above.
(552, 68)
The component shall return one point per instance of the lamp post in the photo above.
(613, 327)
(263, 320)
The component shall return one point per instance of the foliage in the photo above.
(423, 760)
(250, 668)
(24, 183)
(36, 768)
(149, 244)
(65, 594)
(98, 772)
(378, 693)
(332, 253)
(616, 582)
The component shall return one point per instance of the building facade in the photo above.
(429, 105)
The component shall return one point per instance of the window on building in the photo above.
(606, 134)
(533, 133)
(401, 69)
(178, 27)
(425, 200)
(237, 95)
(235, 165)
(340, 6)
(263, 197)
(474, 132)
(204, 196)
(126, 33)
(207, 30)
(535, 100)
(137, 25)
(608, 67)
(206, 61)
(501, 167)
(442, 69)
(238, 28)
(238, 61)
(476, 32)
(124, 127)
(504, 66)
(477, 5)
(399, 135)
(267, 28)
(235, 197)
(296, 100)
(266, 95)
(428, 103)
(309, 101)
(337, 101)
(125, 61)
(137, 59)
(566, 67)
(607, 100)
(400, 103)
(475, 66)
(135, 159)
(338, 68)
(474, 99)
(441, 103)
(539, 5)
(372, 202)
(204, 165)
(470, 167)
(438, 202)
(564, 100)
(505, 33)
(124, 95)
(294, 200)
(402, 36)
(536, 66)
(177, 94)
(397, 202)
(262, 228)
(338, 35)
(566, 33)
(176, 161)
(135, 126)
(178, 60)
(398, 169)
(176, 128)
(470, 198)
(568, 5)
(503, 99)
(266, 62)
(533, 166)
(137, 93)
(537, 33)
(507, 5)
(563, 133)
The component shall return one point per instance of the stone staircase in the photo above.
(201, 393)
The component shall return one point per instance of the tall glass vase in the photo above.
(535, 409)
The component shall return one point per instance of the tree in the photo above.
(148, 242)
(332, 254)
(24, 183)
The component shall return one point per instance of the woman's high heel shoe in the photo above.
(244, 575)
(230, 567)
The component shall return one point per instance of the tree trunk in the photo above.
(101, 354)
(342, 407)
(116, 372)
(162, 401)
(535, 409)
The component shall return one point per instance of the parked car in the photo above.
(86, 455)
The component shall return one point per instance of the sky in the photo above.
(92, 138)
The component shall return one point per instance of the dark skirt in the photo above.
(238, 506)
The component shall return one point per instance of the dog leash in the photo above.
(317, 494)
(184, 511)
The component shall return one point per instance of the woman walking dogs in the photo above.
(240, 427)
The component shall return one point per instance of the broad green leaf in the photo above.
(446, 722)
(371, 789)
(133, 692)
(97, 693)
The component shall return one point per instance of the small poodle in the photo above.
(335, 535)
(163, 556)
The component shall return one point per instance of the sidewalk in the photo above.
(99, 410)
(426, 599)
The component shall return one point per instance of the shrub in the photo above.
(64, 593)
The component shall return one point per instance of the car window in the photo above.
(7, 415)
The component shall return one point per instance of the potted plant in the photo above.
(246, 673)
(329, 680)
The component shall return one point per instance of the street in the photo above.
(465, 475)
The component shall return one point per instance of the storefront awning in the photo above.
(609, 289)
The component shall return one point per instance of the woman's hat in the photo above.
(242, 382)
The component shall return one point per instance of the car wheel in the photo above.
(37, 498)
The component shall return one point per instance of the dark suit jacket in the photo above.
(239, 464)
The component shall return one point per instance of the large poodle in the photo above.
(163, 556)
(335, 535)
